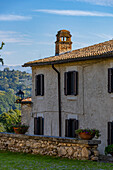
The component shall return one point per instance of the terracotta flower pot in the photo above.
(86, 136)
(20, 130)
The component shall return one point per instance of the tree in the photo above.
(8, 119)
(1, 60)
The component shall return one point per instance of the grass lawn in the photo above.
(21, 161)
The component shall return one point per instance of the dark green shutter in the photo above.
(65, 83)
(110, 133)
(74, 124)
(110, 80)
(67, 128)
(36, 126)
(41, 125)
(42, 85)
(36, 87)
(75, 83)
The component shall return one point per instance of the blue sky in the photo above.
(29, 27)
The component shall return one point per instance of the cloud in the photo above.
(48, 35)
(14, 37)
(14, 18)
(8, 52)
(75, 13)
(98, 2)
(104, 36)
(44, 43)
(80, 44)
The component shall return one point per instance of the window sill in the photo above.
(71, 97)
(40, 97)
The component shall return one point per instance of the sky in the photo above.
(29, 27)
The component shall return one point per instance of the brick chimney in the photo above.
(63, 42)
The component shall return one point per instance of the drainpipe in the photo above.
(59, 98)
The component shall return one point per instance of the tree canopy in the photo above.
(11, 82)
(8, 119)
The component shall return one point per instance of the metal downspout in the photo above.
(59, 98)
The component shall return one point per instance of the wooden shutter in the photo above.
(75, 83)
(42, 85)
(36, 126)
(74, 125)
(110, 133)
(36, 81)
(67, 128)
(41, 125)
(65, 83)
(110, 80)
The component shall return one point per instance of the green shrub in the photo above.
(108, 149)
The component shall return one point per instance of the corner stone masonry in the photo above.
(53, 146)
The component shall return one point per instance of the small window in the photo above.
(71, 83)
(39, 85)
(39, 126)
(70, 126)
(64, 38)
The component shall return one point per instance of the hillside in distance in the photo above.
(11, 82)
(16, 67)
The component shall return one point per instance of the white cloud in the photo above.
(104, 36)
(44, 43)
(14, 18)
(80, 44)
(8, 52)
(75, 13)
(14, 37)
(98, 2)
(48, 35)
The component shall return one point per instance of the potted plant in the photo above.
(109, 150)
(88, 134)
(20, 128)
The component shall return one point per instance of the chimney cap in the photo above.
(64, 33)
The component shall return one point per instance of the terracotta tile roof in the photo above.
(24, 101)
(101, 50)
(27, 99)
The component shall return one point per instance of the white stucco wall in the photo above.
(93, 106)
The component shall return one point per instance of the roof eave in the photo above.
(107, 55)
(26, 102)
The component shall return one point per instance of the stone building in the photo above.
(26, 111)
(73, 89)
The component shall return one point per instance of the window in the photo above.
(71, 83)
(70, 126)
(64, 38)
(39, 85)
(39, 126)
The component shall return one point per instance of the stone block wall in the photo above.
(53, 146)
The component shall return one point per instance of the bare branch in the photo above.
(2, 45)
